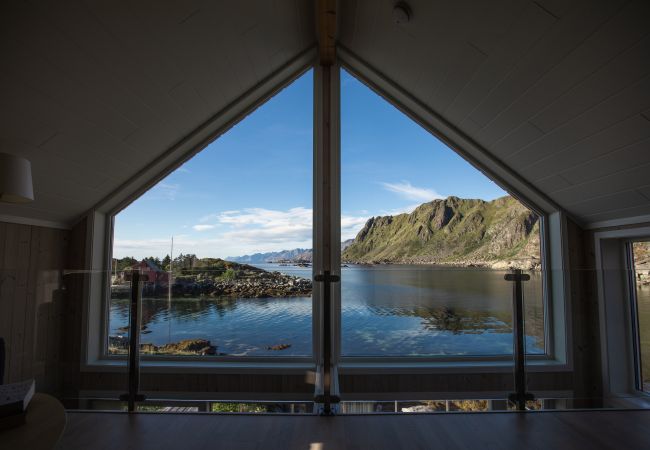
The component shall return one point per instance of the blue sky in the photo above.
(251, 190)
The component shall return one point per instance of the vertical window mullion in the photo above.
(327, 222)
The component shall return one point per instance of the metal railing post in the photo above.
(135, 309)
(520, 396)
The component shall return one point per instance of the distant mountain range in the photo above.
(500, 233)
(295, 255)
(467, 232)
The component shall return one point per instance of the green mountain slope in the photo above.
(501, 233)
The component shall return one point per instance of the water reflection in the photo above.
(428, 310)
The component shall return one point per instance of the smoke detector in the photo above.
(402, 13)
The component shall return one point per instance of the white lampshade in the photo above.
(15, 179)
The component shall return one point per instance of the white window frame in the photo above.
(552, 228)
(616, 310)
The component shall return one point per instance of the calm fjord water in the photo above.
(387, 310)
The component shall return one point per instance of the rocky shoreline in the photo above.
(524, 264)
(258, 284)
(119, 345)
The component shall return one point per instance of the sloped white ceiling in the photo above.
(557, 90)
(91, 92)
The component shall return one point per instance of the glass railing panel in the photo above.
(119, 313)
(220, 311)
(534, 311)
(192, 406)
(492, 405)
(40, 317)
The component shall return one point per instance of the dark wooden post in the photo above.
(135, 310)
(520, 396)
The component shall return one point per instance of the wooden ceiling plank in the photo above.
(602, 187)
(605, 46)
(636, 213)
(560, 41)
(327, 32)
(629, 102)
(608, 141)
(522, 35)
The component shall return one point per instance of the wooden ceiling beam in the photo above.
(327, 31)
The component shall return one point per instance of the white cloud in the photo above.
(261, 228)
(350, 226)
(208, 218)
(408, 191)
(264, 236)
(167, 190)
(164, 191)
(240, 232)
(407, 209)
(203, 227)
(268, 218)
(140, 248)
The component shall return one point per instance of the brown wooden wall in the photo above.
(32, 302)
(72, 320)
(585, 312)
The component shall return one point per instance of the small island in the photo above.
(209, 277)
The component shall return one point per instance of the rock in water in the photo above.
(187, 346)
(278, 347)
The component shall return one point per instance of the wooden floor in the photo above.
(544, 431)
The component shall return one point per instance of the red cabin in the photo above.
(153, 273)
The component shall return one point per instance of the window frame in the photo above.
(634, 313)
(553, 251)
(617, 329)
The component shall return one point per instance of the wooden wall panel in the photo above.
(585, 312)
(32, 260)
(73, 311)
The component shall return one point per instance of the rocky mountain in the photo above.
(297, 254)
(345, 244)
(468, 232)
